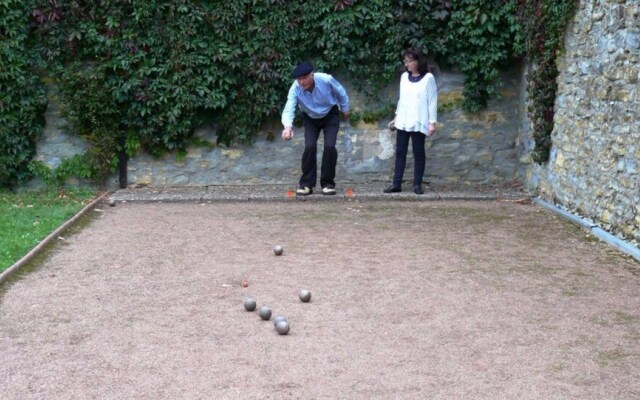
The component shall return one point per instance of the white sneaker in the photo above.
(328, 190)
(305, 191)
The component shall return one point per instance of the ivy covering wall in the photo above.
(22, 96)
(145, 74)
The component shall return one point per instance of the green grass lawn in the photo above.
(28, 217)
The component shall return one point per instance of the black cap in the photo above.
(302, 69)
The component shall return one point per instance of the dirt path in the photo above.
(411, 300)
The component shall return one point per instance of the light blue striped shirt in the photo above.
(326, 93)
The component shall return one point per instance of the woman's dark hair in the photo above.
(413, 53)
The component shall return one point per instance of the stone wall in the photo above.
(56, 143)
(467, 149)
(594, 167)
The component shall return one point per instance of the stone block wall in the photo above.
(56, 143)
(594, 166)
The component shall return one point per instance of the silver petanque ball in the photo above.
(305, 295)
(278, 319)
(265, 313)
(112, 202)
(249, 304)
(278, 250)
(282, 327)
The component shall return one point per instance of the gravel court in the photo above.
(411, 300)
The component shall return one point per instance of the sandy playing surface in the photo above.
(411, 300)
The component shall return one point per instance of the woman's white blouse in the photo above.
(418, 104)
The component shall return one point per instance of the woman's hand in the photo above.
(432, 129)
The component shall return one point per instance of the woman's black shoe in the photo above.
(418, 190)
(392, 189)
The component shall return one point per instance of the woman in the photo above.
(416, 117)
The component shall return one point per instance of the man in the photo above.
(321, 99)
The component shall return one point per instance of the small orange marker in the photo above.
(349, 192)
(290, 193)
(245, 283)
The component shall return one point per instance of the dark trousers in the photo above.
(419, 156)
(329, 124)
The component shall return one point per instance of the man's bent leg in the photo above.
(309, 163)
(330, 153)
